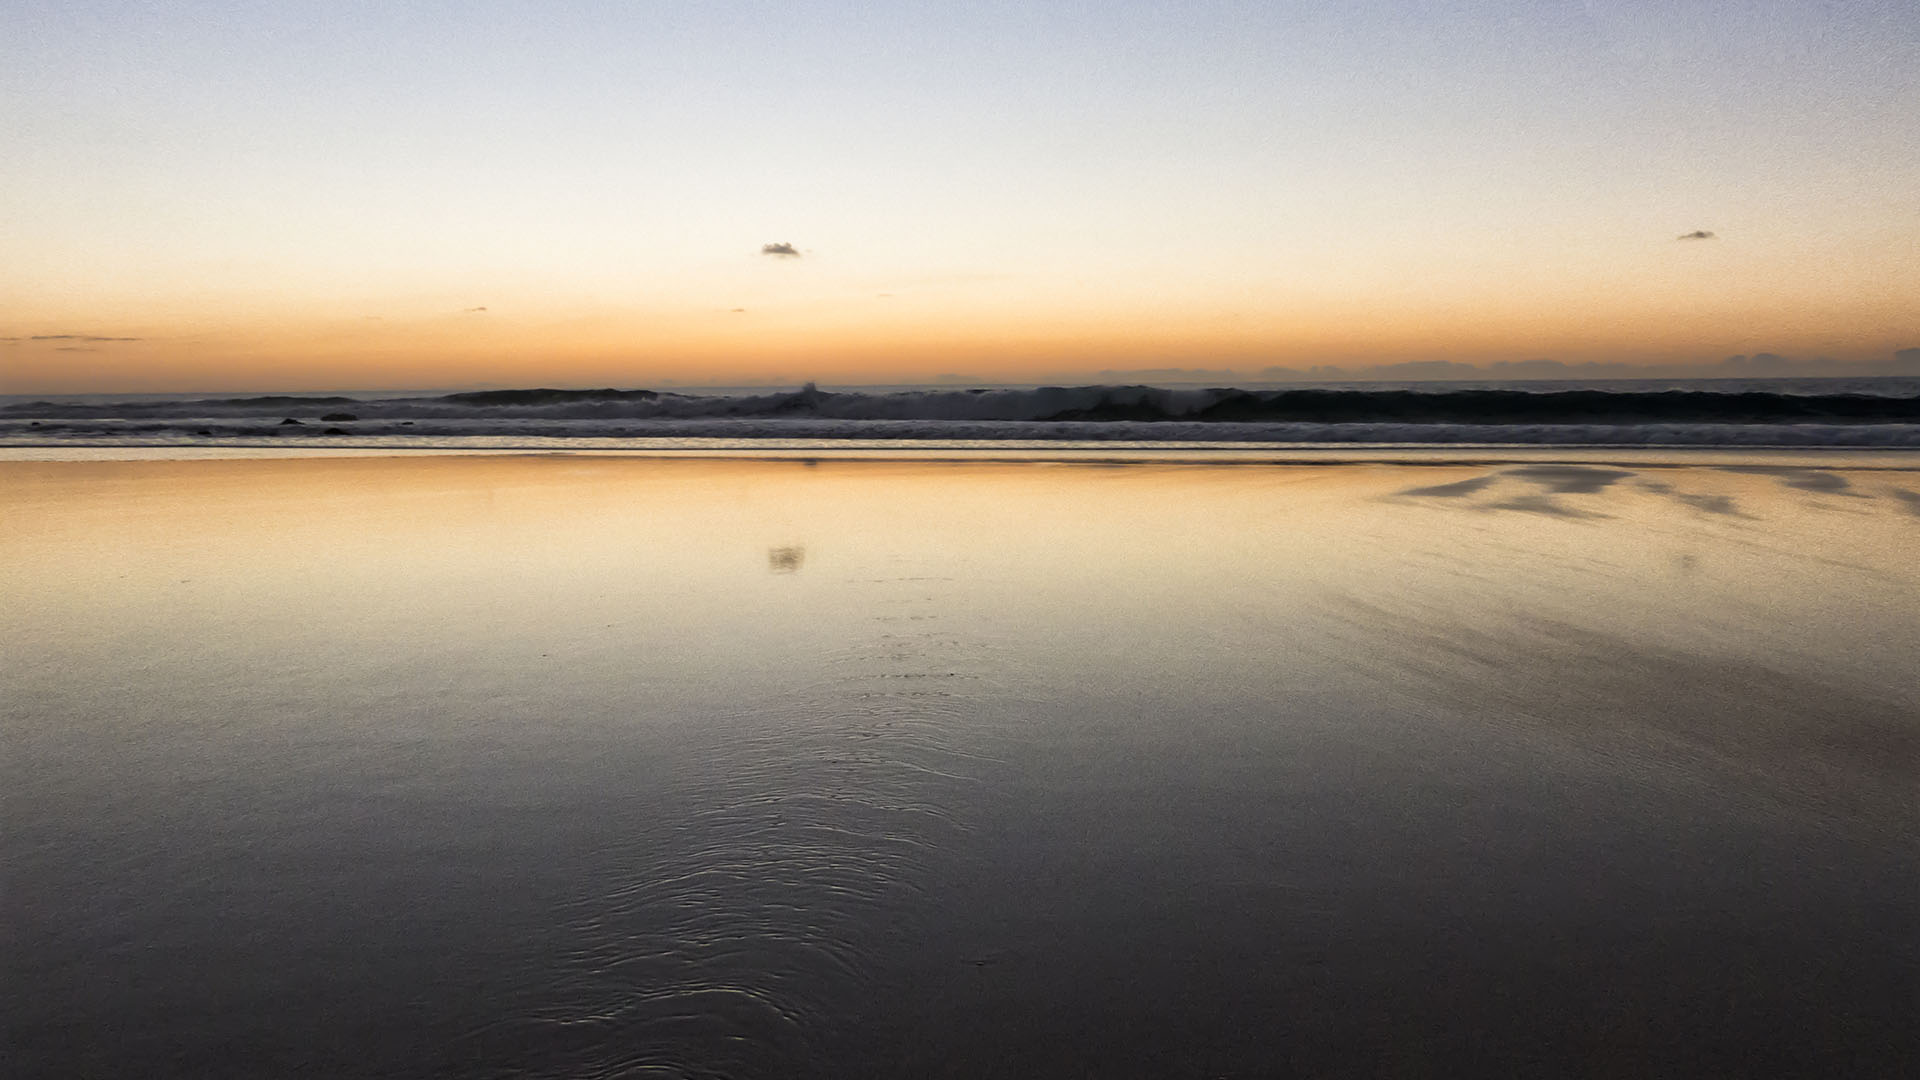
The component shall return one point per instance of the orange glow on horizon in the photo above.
(266, 204)
(901, 339)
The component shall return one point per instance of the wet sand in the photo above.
(577, 765)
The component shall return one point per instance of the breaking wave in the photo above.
(1888, 416)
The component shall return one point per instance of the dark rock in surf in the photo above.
(1108, 408)
(290, 420)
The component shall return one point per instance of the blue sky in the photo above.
(1222, 184)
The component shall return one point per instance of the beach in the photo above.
(1565, 761)
(752, 541)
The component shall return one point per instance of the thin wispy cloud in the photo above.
(1697, 234)
(1763, 365)
(71, 337)
(781, 250)
(471, 310)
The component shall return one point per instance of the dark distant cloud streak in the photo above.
(1697, 234)
(1167, 374)
(781, 250)
(1743, 366)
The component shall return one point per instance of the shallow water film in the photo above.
(599, 766)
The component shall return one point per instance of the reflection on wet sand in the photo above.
(1551, 479)
(561, 766)
(1589, 480)
(1711, 504)
(1816, 480)
(1454, 489)
(1570, 479)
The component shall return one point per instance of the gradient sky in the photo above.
(293, 195)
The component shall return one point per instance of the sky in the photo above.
(289, 195)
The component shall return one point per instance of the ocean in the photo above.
(1883, 412)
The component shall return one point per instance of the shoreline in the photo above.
(936, 452)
